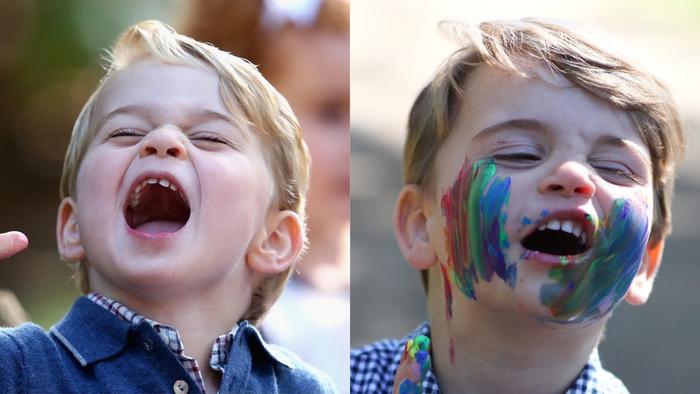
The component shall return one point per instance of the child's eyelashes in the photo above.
(618, 175)
(519, 157)
(126, 132)
(211, 139)
(611, 171)
(616, 172)
(205, 140)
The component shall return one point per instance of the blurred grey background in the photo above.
(396, 47)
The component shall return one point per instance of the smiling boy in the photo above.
(183, 200)
(538, 173)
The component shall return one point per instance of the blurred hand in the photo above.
(12, 243)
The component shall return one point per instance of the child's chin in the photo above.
(531, 307)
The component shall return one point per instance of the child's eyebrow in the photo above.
(520, 124)
(145, 110)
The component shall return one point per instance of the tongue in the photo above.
(160, 226)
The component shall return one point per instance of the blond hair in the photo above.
(577, 54)
(255, 104)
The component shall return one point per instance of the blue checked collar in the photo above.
(374, 366)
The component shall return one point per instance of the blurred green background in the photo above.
(50, 62)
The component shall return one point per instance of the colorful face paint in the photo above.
(414, 365)
(593, 284)
(475, 229)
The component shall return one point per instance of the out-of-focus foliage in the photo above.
(50, 62)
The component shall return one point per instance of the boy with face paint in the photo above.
(538, 171)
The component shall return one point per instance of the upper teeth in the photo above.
(566, 225)
(136, 196)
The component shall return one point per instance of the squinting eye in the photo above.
(619, 173)
(125, 132)
(521, 157)
(212, 138)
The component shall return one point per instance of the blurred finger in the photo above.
(11, 243)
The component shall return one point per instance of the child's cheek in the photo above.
(474, 208)
(593, 286)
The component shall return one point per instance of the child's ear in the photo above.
(277, 245)
(643, 282)
(411, 228)
(70, 246)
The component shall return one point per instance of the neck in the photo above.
(493, 354)
(199, 317)
(327, 264)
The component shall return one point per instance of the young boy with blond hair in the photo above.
(183, 201)
(538, 173)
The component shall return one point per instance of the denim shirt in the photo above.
(92, 350)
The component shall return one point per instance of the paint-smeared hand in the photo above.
(415, 364)
(12, 243)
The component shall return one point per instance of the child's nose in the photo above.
(569, 179)
(163, 142)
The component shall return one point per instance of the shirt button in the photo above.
(147, 345)
(181, 387)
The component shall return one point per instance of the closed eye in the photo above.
(211, 139)
(126, 132)
(125, 137)
(517, 157)
(617, 174)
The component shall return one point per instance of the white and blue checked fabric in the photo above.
(372, 370)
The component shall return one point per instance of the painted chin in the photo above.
(591, 287)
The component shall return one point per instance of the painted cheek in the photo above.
(474, 210)
(591, 288)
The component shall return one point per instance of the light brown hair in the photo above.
(255, 104)
(584, 58)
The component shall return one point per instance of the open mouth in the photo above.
(156, 205)
(560, 237)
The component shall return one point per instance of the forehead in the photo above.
(170, 88)
(540, 102)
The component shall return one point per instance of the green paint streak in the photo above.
(475, 233)
(591, 288)
(482, 173)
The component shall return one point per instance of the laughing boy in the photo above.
(183, 202)
(538, 173)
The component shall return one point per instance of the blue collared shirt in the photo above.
(171, 338)
(92, 350)
(372, 370)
